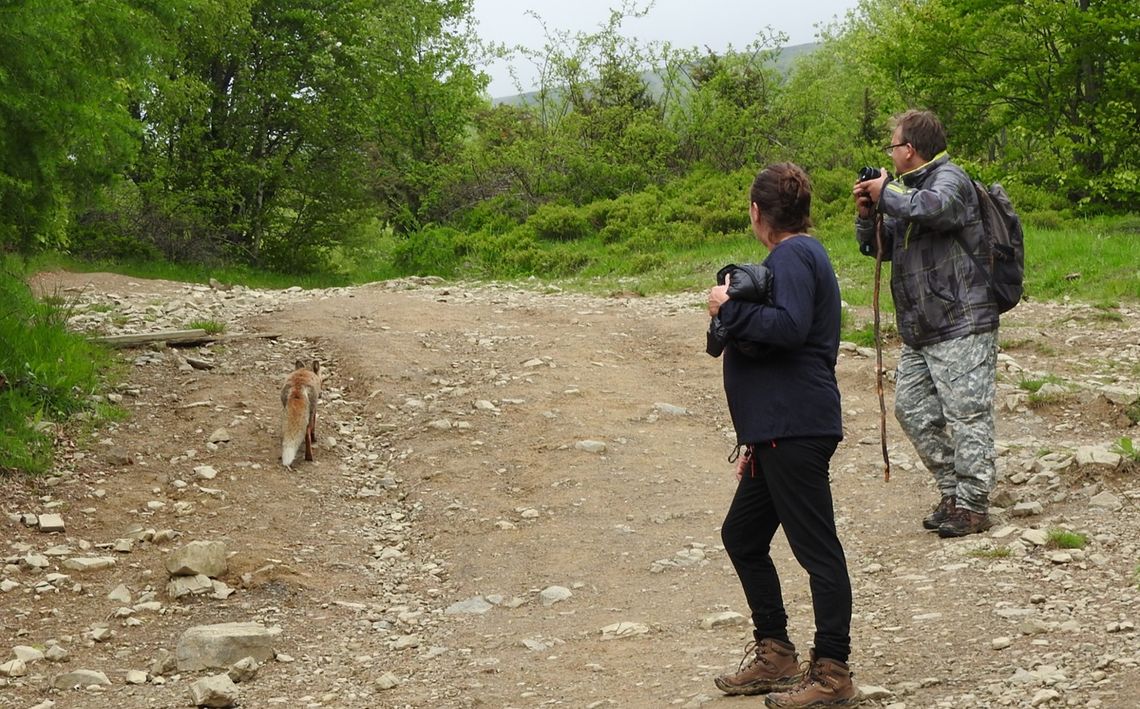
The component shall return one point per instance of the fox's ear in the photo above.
(316, 367)
(299, 364)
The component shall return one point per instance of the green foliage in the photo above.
(1132, 411)
(993, 553)
(1126, 448)
(47, 374)
(428, 252)
(70, 73)
(1034, 385)
(275, 130)
(212, 327)
(1045, 88)
(553, 222)
(1065, 539)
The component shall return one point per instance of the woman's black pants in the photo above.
(786, 483)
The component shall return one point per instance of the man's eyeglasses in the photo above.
(888, 149)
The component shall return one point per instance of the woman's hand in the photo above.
(717, 297)
(743, 463)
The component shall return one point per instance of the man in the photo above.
(946, 315)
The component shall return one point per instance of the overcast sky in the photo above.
(684, 23)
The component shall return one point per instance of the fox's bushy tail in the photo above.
(295, 425)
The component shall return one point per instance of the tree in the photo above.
(70, 73)
(1048, 87)
(279, 123)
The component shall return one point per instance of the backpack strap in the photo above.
(974, 257)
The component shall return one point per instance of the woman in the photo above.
(785, 409)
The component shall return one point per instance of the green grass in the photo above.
(1103, 254)
(1038, 398)
(190, 273)
(1127, 449)
(1034, 385)
(995, 553)
(48, 375)
(212, 327)
(1064, 539)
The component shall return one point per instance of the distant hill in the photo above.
(787, 58)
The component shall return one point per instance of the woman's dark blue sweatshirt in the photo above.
(791, 392)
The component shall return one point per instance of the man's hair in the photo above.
(783, 194)
(922, 130)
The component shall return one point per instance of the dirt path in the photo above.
(495, 447)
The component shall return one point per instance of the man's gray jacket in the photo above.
(939, 292)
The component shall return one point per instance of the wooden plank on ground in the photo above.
(167, 336)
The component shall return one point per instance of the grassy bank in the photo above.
(48, 375)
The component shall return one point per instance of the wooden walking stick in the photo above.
(879, 348)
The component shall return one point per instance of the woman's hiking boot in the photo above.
(827, 683)
(767, 665)
(941, 513)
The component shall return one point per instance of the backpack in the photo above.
(1003, 234)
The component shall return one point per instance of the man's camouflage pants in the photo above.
(944, 400)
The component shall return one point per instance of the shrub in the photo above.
(554, 222)
(428, 252)
(725, 221)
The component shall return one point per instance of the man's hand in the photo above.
(867, 195)
(717, 296)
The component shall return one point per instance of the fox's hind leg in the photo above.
(310, 434)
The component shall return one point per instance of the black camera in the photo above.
(869, 173)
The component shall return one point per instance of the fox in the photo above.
(299, 421)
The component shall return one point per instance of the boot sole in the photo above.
(755, 687)
(852, 702)
(958, 533)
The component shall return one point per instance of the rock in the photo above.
(591, 446)
(14, 668)
(89, 563)
(1036, 537)
(624, 629)
(243, 670)
(387, 681)
(220, 646)
(670, 409)
(80, 678)
(727, 619)
(1107, 501)
(180, 586)
(554, 594)
(205, 558)
(872, 693)
(214, 691)
(50, 523)
(120, 594)
(220, 435)
(56, 653)
(27, 654)
(1097, 455)
(1027, 509)
(136, 677)
(472, 606)
(205, 472)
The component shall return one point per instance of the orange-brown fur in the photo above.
(299, 421)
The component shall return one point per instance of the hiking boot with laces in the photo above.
(964, 522)
(767, 665)
(827, 683)
(941, 513)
